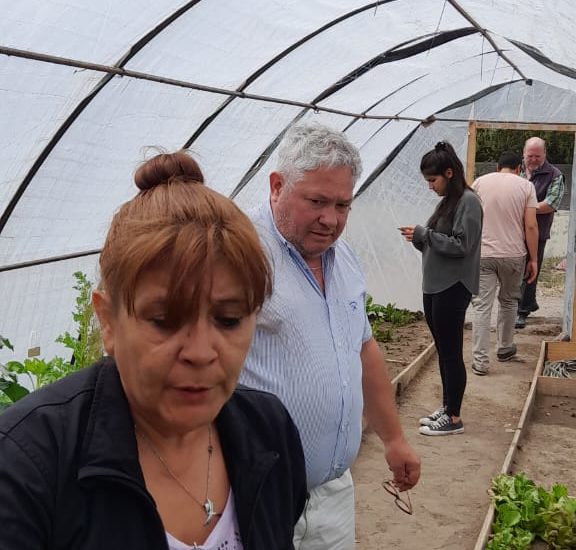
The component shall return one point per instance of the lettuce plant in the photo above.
(525, 512)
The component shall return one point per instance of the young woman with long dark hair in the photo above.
(450, 246)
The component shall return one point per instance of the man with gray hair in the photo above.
(313, 345)
(549, 184)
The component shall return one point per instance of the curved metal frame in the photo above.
(259, 72)
(399, 52)
(137, 47)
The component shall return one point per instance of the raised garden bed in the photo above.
(543, 444)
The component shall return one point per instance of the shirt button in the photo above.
(345, 384)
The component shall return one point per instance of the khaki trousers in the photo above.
(505, 274)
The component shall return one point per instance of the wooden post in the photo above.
(573, 327)
(471, 152)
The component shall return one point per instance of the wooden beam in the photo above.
(471, 152)
(401, 381)
(556, 387)
(561, 350)
(573, 320)
(526, 126)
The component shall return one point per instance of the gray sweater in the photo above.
(451, 253)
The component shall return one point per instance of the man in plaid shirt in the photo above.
(549, 184)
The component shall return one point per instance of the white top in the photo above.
(226, 534)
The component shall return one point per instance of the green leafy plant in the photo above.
(86, 349)
(525, 512)
(10, 389)
(383, 319)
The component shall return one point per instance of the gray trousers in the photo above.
(506, 273)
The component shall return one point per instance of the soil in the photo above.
(407, 343)
(451, 501)
(554, 423)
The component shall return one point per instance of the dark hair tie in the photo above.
(440, 146)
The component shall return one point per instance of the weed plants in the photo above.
(86, 349)
(384, 319)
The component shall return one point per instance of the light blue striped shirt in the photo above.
(306, 349)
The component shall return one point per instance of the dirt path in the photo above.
(451, 500)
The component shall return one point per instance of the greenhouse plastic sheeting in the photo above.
(88, 90)
(400, 196)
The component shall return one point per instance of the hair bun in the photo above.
(164, 167)
(440, 146)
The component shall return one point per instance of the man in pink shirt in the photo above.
(510, 226)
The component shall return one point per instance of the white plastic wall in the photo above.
(71, 136)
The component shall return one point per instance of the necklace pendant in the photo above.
(208, 510)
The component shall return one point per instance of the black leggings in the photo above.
(445, 312)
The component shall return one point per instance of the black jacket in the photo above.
(70, 477)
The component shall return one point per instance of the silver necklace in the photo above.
(207, 505)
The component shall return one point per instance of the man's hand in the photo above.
(531, 271)
(403, 463)
(382, 414)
